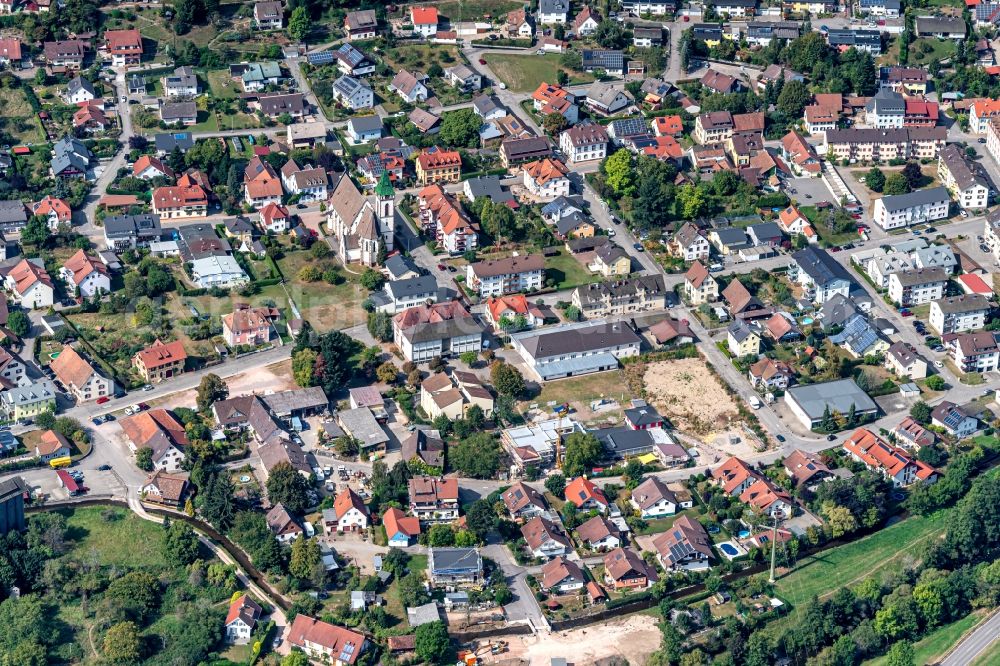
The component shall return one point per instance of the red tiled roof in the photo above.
(161, 353)
(579, 490)
(331, 638)
(396, 522)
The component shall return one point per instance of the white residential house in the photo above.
(551, 12)
(85, 276)
(242, 619)
(506, 276)
(689, 244)
(973, 352)
(584, 143)
(963, 178)
(959, 314)
(917, 287)
(353, 93)
(903, 210)
(547, 179)
(652, 499)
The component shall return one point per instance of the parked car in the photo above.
(638, 247)
(104, 468)
(103, 399)
(147, 387)
(96, 421)
(482, 61)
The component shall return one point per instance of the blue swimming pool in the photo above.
(806, 321)
(728, 549)
(744, 534)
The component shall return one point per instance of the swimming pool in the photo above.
(729, 549)
(806, 321)
(744, 534)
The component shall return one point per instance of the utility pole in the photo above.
(774, 548)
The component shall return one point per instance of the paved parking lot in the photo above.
(809, 191)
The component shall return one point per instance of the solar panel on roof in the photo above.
(321, 58)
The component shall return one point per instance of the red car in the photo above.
(482, 61)
(442, 267)
(143, 406)
(103, 399)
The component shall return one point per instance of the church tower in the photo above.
(385, 206)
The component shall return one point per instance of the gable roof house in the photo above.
(326, 642)
(599, 534)
(805, 469)
(544, 538)
(124, 46)
(242, 619)
(79, 377)
(409, 86)
(85, 276)
(158, 430)
(954, 420)
(161, 360)
(29, 284)
(652, 499)
(686, 545)
(562, 576)
(165, 488)
(361, 24)
(524, 502)
(585, 495)
(400, 530)
(625, 570)
(283, 525)
(689, 243)
(699, 285)
(890, 461)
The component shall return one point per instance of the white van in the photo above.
(755, 402)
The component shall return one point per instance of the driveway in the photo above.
(523, 608)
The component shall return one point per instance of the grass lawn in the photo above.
(936, 643)
(823, 573)
(325, 306)
(221, 85)
(580, 391)
(813, 214)
(17, 118)
(524, 73)
(48, 347)
(476, 10)
(239, 654)
(422, 56)
(990, 658)
(940, 49)
(101, 539)
(567, 271)
(663, 524)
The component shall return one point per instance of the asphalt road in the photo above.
(976, 643)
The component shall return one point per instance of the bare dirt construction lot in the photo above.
(275, 377)
(686, 392)
(633, 638)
